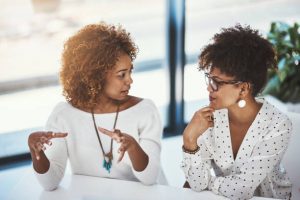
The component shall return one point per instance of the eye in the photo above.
(121, 74)
(216, 82)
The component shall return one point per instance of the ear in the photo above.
(245, 89)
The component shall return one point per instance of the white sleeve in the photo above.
(56, 153)
(196, 167)
(266, 154)
(150, 134)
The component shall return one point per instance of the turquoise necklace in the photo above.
(107, 157)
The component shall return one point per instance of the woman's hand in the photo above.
(37, 141)
(138, 157)
(128, 143)
(201, 121)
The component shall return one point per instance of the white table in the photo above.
(77, 187)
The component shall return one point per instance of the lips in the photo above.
(125, 91)
(211, 98)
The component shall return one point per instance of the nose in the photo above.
(129, 80)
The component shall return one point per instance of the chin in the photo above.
(215, 106)
(123, 97)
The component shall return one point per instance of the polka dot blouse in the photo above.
(256, 170)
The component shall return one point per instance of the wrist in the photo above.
(190, 151)
(189, 142)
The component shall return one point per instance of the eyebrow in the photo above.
(121, 70)
(216, 77)
(220, 79)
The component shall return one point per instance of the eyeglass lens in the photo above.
(211, 82)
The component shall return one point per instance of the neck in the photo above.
(244, 115)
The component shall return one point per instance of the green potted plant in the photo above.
(284, 83)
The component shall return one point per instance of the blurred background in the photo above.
(169, 34)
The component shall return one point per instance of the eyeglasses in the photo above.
(215, 84)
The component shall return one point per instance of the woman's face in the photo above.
(118, 80)
(224, 91)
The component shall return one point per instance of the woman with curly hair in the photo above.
(101, 129)
(239, 137)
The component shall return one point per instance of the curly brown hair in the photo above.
(87, 57)
(240, 52)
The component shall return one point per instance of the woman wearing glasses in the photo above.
(238, 137)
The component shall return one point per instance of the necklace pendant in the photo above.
(107, 165)
(107, 161)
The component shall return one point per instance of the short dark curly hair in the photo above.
(87, 57)
(240, 52)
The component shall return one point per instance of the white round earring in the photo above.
(242, 103)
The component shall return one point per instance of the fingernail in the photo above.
(37, 157)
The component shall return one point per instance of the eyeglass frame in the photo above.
(208, 80)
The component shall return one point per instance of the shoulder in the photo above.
(275, 115)
(61, 109)
(140, 103)
(148, 104)
(276, 122)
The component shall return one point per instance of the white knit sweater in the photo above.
(82, 148)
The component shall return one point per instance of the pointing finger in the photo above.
(116, 135)
(106, 132)
(207, 109)
(56, 135)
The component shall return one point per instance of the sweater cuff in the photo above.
(192, 159)
(216, 183)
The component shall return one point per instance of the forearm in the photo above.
(42, 165)
(138, 157)
(190, 139)
(189, 143)
(50, 168)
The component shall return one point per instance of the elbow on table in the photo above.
(240, 194)
(149, 181)
(50, 188)
(198, 187)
